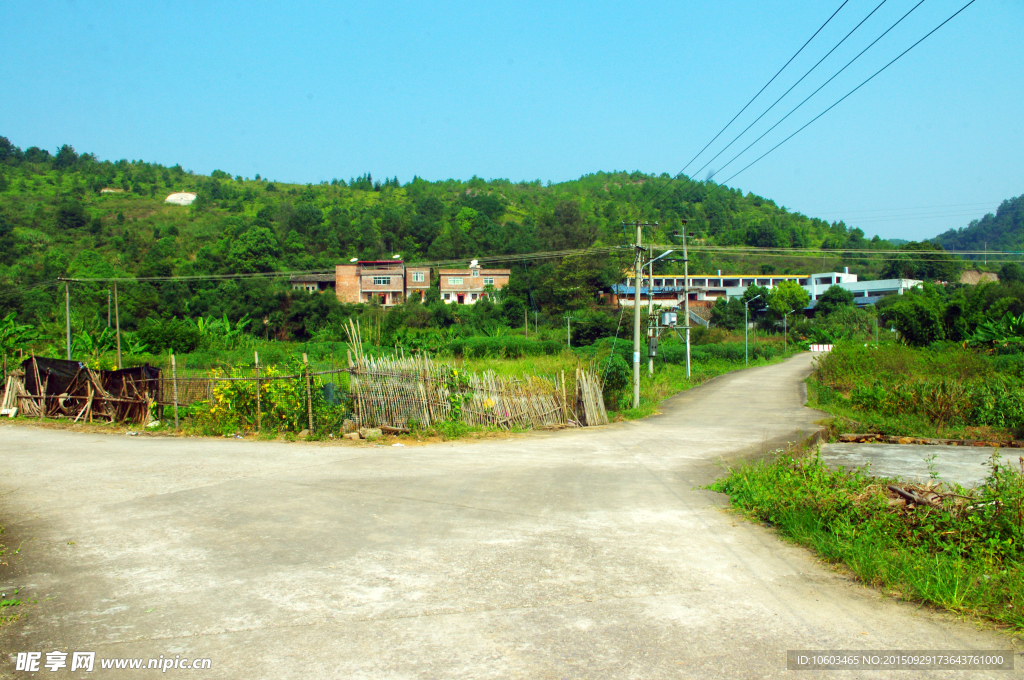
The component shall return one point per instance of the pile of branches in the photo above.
(53, 388)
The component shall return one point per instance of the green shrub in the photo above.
(160, 335)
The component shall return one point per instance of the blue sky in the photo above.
(538, 90)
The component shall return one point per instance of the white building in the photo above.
(669, 290)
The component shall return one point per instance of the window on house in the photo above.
(447, 296)
(488, 280)
(476, 272)
(381, 280)
(474, 296)
(455, 281)
(417, 277)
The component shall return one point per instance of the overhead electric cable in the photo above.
(920, 207)
(851, 91)
(794, 109)
(734, 139)
(745, 106)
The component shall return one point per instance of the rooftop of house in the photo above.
(312, 278)
(470, 270)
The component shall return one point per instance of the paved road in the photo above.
(586, 554)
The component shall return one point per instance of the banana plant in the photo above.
(1008, 330)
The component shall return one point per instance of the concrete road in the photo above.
(581, 554)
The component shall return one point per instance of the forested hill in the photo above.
(1002, 231)
(73, 215)
(63, 224)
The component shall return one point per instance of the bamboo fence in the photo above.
(393, 392)
(401, 392)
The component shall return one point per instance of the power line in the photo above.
(745, 106)
(920, 207)
(836, 74)
(870, 14)
(851, 91)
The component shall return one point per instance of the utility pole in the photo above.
(108, 308)
(637, 275)
(686, 298)
(568, 330)
(67, 314)
(785, 332)
(650, 310)
(117, 321)
(746, 327)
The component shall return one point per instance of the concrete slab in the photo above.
(573, 554)
(967, 466)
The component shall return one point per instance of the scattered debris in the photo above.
(871, 438)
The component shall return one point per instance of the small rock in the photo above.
(153, 423)
(352, 435)
(303, 434)
(905, 440)
(370, 432)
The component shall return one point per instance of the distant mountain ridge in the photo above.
(1003, 231)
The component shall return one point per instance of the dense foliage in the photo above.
(954, 312)
(943, 389)
(73, 215)
(1002, 231)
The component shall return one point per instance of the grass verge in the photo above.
(8, 601)
(962, 550)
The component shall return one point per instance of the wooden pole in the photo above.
(117, 322)
(174, 379)
(39, 387)
(258, 409)
(565, 406)
(309, 393)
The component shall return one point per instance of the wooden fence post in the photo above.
(565, 405)
(309, 393)
(259, 414)
(174, 378)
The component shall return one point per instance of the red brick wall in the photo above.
(346, 283)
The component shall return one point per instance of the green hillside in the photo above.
(73, 215)
(1002, 231)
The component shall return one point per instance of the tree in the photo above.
(833, 299)
(1011, 272)
(8, 150)
(71, 215)
(917, 318)
(786, 297)
(758, 305)
(925, 261)
(256, 250)
(65, 158)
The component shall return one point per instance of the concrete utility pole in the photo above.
(568, 330)
(650, 309)
(117, 321)
(67, 315)
(686, 298)
(637, 276)
(746, 327)
(785, 332)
